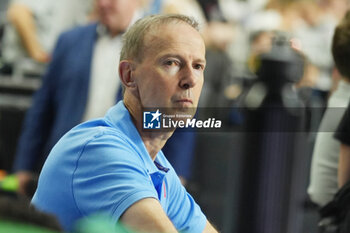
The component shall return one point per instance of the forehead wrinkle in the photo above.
(157, 40)
(148, 40)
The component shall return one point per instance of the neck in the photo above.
(154, 141)
(114, 33)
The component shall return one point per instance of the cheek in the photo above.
(164, 80)
(198, 74)
(150, 86)
(156, 85)
(172, 71)
(164, 88)
(198, 88)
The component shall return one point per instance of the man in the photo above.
(324, 167)
(81, 81)
(114, 166)
(342, 135)
(341, 199)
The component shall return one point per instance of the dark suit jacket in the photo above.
(60, 102)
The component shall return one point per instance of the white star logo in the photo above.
(156, 115)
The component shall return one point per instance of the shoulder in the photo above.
(89, 149)
(97, 130)
(98, 137)
(79, 33)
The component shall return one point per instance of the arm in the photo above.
(147, 215)
(209, 228)
(183, 211)
(22, 19)
(344, 165)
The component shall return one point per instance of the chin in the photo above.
(185, 108)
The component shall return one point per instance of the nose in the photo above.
(188, 77)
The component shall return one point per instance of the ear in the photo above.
(126, 74)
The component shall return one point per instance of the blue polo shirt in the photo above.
(103, 166)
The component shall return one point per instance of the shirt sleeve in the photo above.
(110, 176)
(183, 211)
(343, 130)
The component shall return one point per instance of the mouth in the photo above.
(185, 106)
(184, 101)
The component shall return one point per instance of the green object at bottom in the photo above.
(9, 183)
(100, 224)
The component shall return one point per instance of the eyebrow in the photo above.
(181, 58)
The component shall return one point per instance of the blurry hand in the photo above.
(40, 56)
(310, 76)
(22, 18)
(23, 178)
(183, 180)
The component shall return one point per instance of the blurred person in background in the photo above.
(80, 83)
(324, 167)
(342, 134)
(216, 33)
(315, 36)
(341, 199)
(33, 28)
(335, 9)
(113, 164)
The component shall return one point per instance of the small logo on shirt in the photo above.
(151, 120)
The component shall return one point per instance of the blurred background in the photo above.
(225, 175)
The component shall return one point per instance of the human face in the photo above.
(170, 73)
(116, 15)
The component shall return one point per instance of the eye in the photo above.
(171, 62)
(198, 67)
